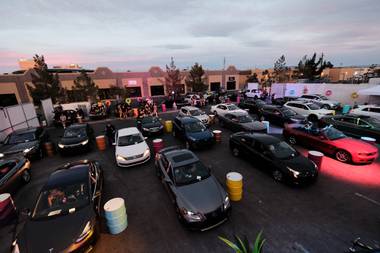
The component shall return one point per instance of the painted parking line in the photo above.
(367, 198)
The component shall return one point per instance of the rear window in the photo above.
(182, 157)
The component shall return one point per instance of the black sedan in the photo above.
(76, 138)
(71, 117)
(12, 172)
(200, 200)
(276, 156)
(279, 115)
(27, 142)
(66, 215)
(150, 125)
(241, 122)
(253, 105)
(355, 125)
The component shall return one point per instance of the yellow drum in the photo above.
(234, 183)
(168, 126)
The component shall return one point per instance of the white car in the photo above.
(222, 109)
(131, 148)
(367, 110)
(320, 100)
(194, 112)
(189, 97)
(307, 108)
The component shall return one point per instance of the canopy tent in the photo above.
(373, 91)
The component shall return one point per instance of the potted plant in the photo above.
(240, 246)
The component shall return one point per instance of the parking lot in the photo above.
(324, 217)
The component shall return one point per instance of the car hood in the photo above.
(358, 146)
(323, 111)
(151, 125)
(9, 149)
(57, 233)
(254, 126)
(72, 140)
(131, 150)
(238, 111)
(299, 163)
(204, 196)
(200, 135)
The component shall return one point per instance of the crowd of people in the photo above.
(144, 108)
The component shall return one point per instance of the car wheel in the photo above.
(235, 152)
(277, 175)
(343, 156)
(327, 107)
(26, 176)
(292, 140)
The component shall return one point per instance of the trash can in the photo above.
(316, 157)
(234, 182)
(217, 135)
(116, 215)
(101, 142)
(158, 144)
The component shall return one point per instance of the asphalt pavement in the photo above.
(324, 217)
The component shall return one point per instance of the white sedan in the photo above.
(131, 148)
(222, 109)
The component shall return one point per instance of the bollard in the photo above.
(158, 144)
(101, 142)
(316, 157)
(116, 215)
(234, 182)
(217, 135)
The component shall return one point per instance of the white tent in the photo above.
(373, 91)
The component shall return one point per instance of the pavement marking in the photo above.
(367, 198)
(301, 248)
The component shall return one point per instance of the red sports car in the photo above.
(332, 142)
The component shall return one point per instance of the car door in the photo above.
(364, 128)
(260, 151)
(221, 109)
(95, 186)
(347, 125)
(277, 117)
(246, 144)
(168, 181)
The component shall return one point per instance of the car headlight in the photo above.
(226, 202)
(86, 232)
(15, 248)
(84, 142)
(294, 172)
(119, 157)
(60, 145)
(191, 216)
(147, 152)
(27, 150)
(1, 155)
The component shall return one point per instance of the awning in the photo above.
(373, 91)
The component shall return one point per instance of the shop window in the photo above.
(215, 86)
(8, 100)
(133, 91)
(231, 85)
(157, 90)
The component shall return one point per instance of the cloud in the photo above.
(220, 29)
(174, 46)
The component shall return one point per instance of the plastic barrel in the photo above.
(158, 144)
(217, 135)
(49, 148)
(7, 209)
(163, 106)
(316, 157)
(101, 142)
(234, 183)
(266, 123)
(168, 126)
(116, 216)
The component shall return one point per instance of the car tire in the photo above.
(292, 140)
(235, 151)
(26, 176)
(343, 156)
(277, 175)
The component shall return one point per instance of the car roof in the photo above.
(190, 108)
(263, 138)
(25, 130)
(300, 102)
(69, 173)
(77, 126)
(128, 131)
(180, 157)
(237, 113)
(273, 107)
(188, 119)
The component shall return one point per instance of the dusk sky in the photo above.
(135, 35)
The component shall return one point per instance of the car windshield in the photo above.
(128, 140)
(190, 173)
(194, 127)
(21, 137)
(314, 106)
(232, 107)
(147, 120)
(196, 112)
(74, 132)
(289, 112)
(373, 121)
(333, 134)
(61, 200)
(282, 150)
(245, 119)
(323, 98)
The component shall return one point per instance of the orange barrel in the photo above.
(49, 148)
(217, 135)
(101, 142)
(7, 209)
(168, 126)
(135, 112)
(234, 183)
(158, 144)
(316, 157)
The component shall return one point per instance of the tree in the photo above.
(252, 78)
(311, 68)
(85, 87)
(281, 70)
(196, 80)
(173, 79)
(266, 78)
(45, 83)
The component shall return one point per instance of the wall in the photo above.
(10, 88)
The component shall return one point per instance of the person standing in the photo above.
(63, 119)
(110, 133)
